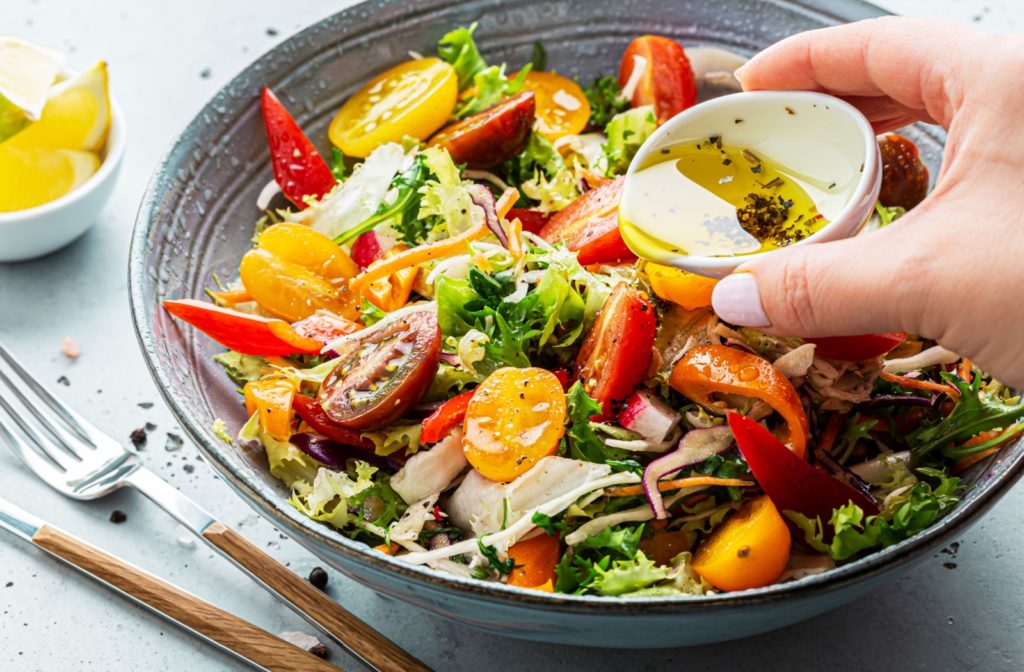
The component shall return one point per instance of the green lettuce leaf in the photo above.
(395, 438)
(628, 576)
(626, 132)
(622, 540)
(327, 499)
(539, 156)
(243, 368)
(458, 48)
(853, 532)
(287, 463)
(552, 194)
(490, 86)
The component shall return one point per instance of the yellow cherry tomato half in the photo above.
(290, 291)
(516, 417)
(414, 98)
(689, 290)
(308, 248)
(562, 109)
(272, 399)
(749, 550)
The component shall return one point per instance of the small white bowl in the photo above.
(811, 133)
(30, 233)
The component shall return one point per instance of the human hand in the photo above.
(952, 269)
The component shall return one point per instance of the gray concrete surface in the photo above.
(957, 612)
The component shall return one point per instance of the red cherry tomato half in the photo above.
(589, 226)
(492, 136)
(856, 348)
(383, 374)
(532, 220)
(667, 82)
(616, 353)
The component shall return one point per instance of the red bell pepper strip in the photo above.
(299, 169)
(532, 220)
(446, 417)
(789, 481)
(313, 415)
(563, 378)
(242, 332)
(856, 348)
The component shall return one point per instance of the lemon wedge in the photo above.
(31, 177)
(26, 73)
(76, 116)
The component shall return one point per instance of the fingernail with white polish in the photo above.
(736, 299)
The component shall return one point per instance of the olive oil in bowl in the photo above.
(709, 199)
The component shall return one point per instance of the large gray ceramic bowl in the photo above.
(197, 220)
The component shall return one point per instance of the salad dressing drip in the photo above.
(704, 198)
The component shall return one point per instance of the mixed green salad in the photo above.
(447, 352)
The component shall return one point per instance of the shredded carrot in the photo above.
(693, 481)
(515, 238)
(387, 550)
(960, 466)
(506, 201)
(417, 255)
(915, 384)
(966, 368)
(831, 432)
(231, 296)
(425, 253)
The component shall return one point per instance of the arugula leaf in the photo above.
(490, 85)
(338, 167)
(503, 567)
(605, 102)
(550, 525)
(575, 573)
(977, 411)
(626, 131)
(727, 465)
(402, 213)
(622, 540)
(380, 499)
(853, 533)
(582, 441)
(458, 48)
(539, 57)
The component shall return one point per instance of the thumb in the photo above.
(861, 285)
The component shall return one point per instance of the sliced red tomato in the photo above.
(383, 374)
(617, 351)
(448, 416)
(242, 332)
(313, 415)
(589, 226)
(532, 220)
(299, 169)
(490, 137)
(324, 326)
(667, 81)
(856, 348)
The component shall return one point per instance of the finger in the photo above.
(912, 61)
(861, 285)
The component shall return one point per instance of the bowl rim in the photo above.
(113, 152)
(312, 534)
(849, 220)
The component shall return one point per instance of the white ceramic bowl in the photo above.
(26, 234)
(810, 133)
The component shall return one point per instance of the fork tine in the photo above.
(74, 421)
(34, 436)
(65, 439)
(46, 469)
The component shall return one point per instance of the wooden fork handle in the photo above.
(363, 641)
(223, 628)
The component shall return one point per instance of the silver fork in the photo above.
(78, 460)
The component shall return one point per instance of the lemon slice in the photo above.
(31, 177)
(26, 73)
(76, 116)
